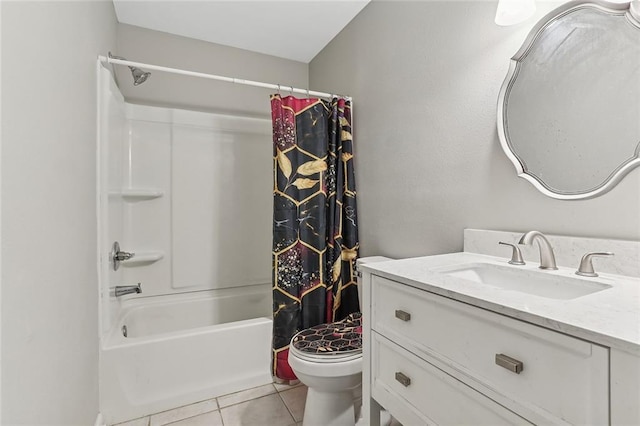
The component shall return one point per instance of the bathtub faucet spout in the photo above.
(121, 290)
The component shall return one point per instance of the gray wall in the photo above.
(158, 48)
(425, 78)
(49, 274)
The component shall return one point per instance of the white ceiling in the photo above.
(294, 29)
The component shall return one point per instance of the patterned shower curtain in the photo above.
(315, 237)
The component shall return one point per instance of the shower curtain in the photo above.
(315, 234)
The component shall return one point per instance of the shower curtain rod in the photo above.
(272, 86)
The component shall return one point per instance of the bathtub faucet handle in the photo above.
(123, 255)
(118, 256)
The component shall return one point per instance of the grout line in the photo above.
(132, 420)
(252, 399)
(190, 417)
(289, 388)
(219, 408)
(288, 409)
(246, 400)
(182, 406)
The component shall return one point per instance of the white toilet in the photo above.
(333, 375)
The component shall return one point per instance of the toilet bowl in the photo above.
(328, 359)
(331, 387)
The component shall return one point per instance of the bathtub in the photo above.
(184, 348)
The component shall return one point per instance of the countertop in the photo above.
(610, 317)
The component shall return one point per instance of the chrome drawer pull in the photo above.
(404, 380)
(509, 363)
(404, 316)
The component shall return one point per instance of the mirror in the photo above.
(569, 109)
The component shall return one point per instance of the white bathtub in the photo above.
(183, 349)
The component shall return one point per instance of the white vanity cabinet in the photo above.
(431, 359)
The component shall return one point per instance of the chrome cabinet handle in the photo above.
(402, 315)
(403, 379)
(509, 363)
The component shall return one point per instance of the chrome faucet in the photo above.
(122, 290)
(547, 258)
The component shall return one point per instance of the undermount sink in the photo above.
(539, 283)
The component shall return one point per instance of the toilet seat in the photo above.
(325, 358)
(331, 342)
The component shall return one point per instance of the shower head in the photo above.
(139, 76)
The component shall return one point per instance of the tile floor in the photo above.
(272, 405)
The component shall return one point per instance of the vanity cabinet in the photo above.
(417, 392)
(430, 359)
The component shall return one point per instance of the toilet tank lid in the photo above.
(372, 259)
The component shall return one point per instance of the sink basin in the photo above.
(540, 283)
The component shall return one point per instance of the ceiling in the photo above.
(294, 29)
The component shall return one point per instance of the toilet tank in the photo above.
(362, 260)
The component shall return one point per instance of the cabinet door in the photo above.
(416, 392)
(625, 388)
(563, 379)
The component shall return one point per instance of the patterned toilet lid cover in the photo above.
(341, 337)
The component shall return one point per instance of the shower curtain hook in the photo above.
(279, 90)
(308, 96)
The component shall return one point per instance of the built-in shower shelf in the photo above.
(141, 193)
(143, 258)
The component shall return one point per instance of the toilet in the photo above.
(327, 358)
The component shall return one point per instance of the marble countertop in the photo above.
(610, 317)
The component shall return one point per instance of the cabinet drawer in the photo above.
(563, 379)
(428, 395)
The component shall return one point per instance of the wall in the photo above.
(212, 223)
(175, 91)
(49, 291)
(425, 78)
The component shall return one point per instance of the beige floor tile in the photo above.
(181, 413)
(282, 387)
(212, 418)
(265, 411)
(294, 399)
(143, 421)
(245, 395)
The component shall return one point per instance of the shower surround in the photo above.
(190, 194)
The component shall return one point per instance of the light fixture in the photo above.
(511, 12)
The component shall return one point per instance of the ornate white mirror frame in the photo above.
(550, 39)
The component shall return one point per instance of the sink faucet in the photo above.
(547, 258)
(121, 290)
